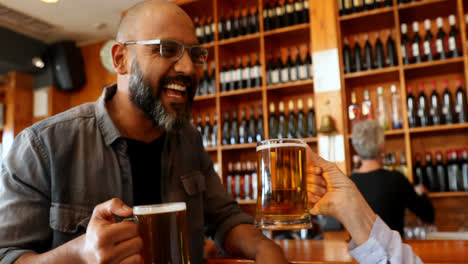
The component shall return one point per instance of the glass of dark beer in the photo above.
(163, 228)
(282, 193)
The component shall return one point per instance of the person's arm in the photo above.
(334, 194)
(421, 205)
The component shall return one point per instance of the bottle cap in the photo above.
(452, 20)
(291, 106)
(281, 106)
(404, 28)
(427, 24)
(366, 95)
(393, 88)
(439, 22)
(310, 103)
(299, 104)
(272, 107)
(379, 90)
(415, 26)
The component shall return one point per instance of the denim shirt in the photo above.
(59, 169)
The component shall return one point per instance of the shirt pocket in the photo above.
(193, 182)
(69, 218)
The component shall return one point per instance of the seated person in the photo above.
(387, 192)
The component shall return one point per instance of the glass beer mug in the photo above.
(282, 193)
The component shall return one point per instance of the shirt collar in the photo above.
(106, 125)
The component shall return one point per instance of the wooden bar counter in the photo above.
(336, 251)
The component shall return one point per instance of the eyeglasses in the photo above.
(174, 50)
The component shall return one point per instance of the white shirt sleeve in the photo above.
(383, 246)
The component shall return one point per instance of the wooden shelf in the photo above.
(241, 91)
(447, 194)
(211, 149)
(204, 97)
(392, 132)
(436, 63)
(239, 146)
(208, 45)
(310, 140)
(371, 72)
(427, 129)
(286, 29)
(419, 3)
(290, 84)
(362, 14)
(239, 201)
(238, 39)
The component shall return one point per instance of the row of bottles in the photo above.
(438, 47)
(240, 23)
(204, 29)
(366, 111)
(347, 7)
(207, 84)
(245, 130)
(443, 177)
(295, 125)
(241, 180)
(434, 111)
(374, 57)
(241, 75)
(287, 13)
(208, 130)
(289, 71)
(389, 162)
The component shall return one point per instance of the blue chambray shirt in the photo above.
(59, 169)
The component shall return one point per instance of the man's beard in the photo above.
(143, 97)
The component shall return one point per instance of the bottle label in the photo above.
(293, 74)
(348, 4)
(365, 109)
(440, 46)
(220, 27)
(303, 72)
(247, 186)
(271, 12)
(369, 2)
(254, 72)
(427, 47)
(246, 73)
(237, 75)
(285, 75)
(228, 76)
(275, 76)
(311, 70)
(357, 3)
(352, 113)
(213, 28)
(403, 51)
(432, 112)
(420, 112)
(279, 11)
(222, 77)
(289, 8)
(237, 186)
(445, 110)
(265, 13)
(298, 6)
(458, 108)
(452, 43)
(415, 49)
(207, 30)
(198, 32)
(306, 4)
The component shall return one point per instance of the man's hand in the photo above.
(109, 242)
(335, 195)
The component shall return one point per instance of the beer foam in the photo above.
(158, 208)
(281, 145)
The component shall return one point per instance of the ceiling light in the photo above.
(50, 1)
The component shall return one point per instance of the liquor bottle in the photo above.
(357, 56)
(461, 105)
(348, 6)
(237, 176)
(284, 69)
(441, 43)
(289, 16)
(392, 59)
(199, 32)
(311, 124)
(229, 178)
(254, 24)
(454, 46)
(247, 181)
(418, 170)
(244, 28)
(441, 172)
(199, 124)
(231, 77)
(282, 122)
(346, 56)
(234, 133)
(214, 131)
(279, 15)
(259, 134)
(413, 120)
(379, 54)
(429, 43)
(224, 78)
(464, 169)
(423, 107)
(453, 171)
(207, 29)
(266, 17)
(276, 72)
(221, 28)
(301, 131)
(435, 111)
(270, 68)
(243, 128)
(212, 88)
(448, 105)
(251, 126)
(403, 168)
(297, 65)
(226, 129)
(368, 57)
(305, 11)
(405, 45)
(254, 178)
(382, 115)
(291, 68)
(340, 7)
(297, 17)
(416, 44)
(204, 82)
(256, 73)
(388, 3)
(246, 79)
(357, 6)
(369, 4)
(235, 25)
(273, 121)
(238, 74)
(207, 132)
(308, 63)
(292, 122)
(367, 112)
(353, 111)
(432, 180)
(397, 121)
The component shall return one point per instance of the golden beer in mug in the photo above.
(163, 228)
(282, 193)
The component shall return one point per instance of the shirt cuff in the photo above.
(373, 250)
(10, 255)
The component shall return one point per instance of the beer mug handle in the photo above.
(133, 219)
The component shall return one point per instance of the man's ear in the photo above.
(119, 58)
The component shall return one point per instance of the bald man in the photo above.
(66, 177)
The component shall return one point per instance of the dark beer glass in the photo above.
(163, 228)
(282, 193)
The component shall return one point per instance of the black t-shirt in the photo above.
(389, 193)
(145, 160)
